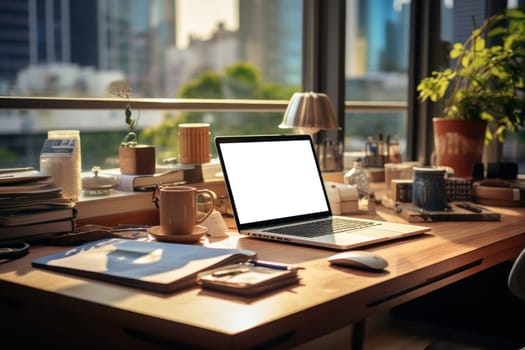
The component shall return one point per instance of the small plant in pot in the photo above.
(134, 158)
(483, 92)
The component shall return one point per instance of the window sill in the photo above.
(120, 207)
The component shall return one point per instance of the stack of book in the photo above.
(32, 206)
(177, 174)
(174, 175)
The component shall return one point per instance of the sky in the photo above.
(200, 18)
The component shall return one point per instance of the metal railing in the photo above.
(26, 103)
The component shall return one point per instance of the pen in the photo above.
(230, 272)
(136, 229)
(272, 265)
(400, 208)
(469, 207)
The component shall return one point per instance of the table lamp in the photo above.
(310, 112)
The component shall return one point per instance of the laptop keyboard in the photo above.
(323, 227)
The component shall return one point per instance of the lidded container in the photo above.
(97, 184)
(61, 159)
(359, 177)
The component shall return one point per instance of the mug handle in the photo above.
(213, 198)
(155, 196)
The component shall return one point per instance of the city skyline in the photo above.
(202, 27)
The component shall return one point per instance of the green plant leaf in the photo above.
(496, 31)
(487, 116)
(479, 44)
(456, 51)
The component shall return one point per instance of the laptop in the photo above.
(277, 193)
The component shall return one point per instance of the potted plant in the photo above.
(483, 94)
(134, 158)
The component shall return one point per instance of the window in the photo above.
(205, 50)
(198, 49)
(377, 42)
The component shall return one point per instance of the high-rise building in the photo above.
(270, 33)
(15, 51)
(129, 36)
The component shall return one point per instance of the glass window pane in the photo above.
(220, 49)
(378, 125)
(100, 145)
(75, 48)
(376, 67)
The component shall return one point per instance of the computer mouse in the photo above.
(360, 259)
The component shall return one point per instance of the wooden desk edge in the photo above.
(131, 326)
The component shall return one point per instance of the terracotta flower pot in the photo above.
(459, 144)
(138, 160)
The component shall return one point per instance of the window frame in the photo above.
(197, 105)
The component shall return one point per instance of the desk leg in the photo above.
(358, 335)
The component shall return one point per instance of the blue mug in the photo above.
(429, 188)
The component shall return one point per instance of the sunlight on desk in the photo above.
(286, 318)
(232, 241)
(511, 211)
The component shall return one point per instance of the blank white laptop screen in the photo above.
(274, 180)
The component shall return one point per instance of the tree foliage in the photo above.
(239, 81)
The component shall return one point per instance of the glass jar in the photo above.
(359, 177)
(60, 158)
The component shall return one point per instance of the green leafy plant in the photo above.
(486, 82)
(122, 89)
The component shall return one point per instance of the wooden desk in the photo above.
(59, 308)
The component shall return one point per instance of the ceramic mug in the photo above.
(429, 189)
(179, 208)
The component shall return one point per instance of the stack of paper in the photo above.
(32, 205)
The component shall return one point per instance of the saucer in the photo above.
(198, 232)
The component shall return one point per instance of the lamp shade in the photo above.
(310, 111)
